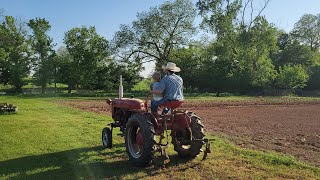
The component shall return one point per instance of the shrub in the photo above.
(292, 77)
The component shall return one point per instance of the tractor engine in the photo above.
(123, 108)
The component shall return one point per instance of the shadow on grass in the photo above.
(71, 164)
(82, 163)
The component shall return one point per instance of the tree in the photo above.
(307, 31)
(253, 53)
(157, 32)
(294, 53)
(292, 77)
(87, 50)
(14, 53)
(190, 60)
(313, 83)
(64, 68)
(242, 49)
(107, 76)
(43, 57)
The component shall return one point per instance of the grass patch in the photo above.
(143, 85)
(47, 140)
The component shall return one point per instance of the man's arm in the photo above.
(160, 88)
(155, 92)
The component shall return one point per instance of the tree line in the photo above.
(244, 52)
(249, 53)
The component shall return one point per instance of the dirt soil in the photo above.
(290, 128)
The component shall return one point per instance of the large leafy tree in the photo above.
(190, 60)
(14, 53)
(294, 53)
(307, 31)
(243, 44)
(64, 68)
(107, 76)
(253, 53)
(43, 48)
(87, 50)
(156, 32)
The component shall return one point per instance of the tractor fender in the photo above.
(181, 120)
(152, 118)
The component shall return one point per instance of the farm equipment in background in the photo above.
(7, 108)
(140, 129)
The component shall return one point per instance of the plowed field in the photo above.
(291, 128)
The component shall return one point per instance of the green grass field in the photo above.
(45, 140)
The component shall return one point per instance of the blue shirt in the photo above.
(171, 86)
(155, 86)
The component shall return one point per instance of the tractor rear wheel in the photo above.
(139, 140)
(188, 142)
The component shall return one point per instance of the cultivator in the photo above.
(7, 108)
(146, 134)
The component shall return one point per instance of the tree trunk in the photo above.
(69, 88)
(43, 89)
(18, 89)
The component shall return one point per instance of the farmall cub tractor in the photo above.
(141, 128)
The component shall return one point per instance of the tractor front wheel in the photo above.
(107, 138)
(188, 142)
(139, 140)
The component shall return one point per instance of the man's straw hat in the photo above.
(171, 67)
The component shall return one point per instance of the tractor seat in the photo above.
(171, 104)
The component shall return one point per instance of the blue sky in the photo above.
(107, 15)
(63, 15)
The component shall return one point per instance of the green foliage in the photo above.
(189, 60)
(143, 85)
(107, 77)
(43, 52)
(306, 31)
(314, 80)
(240, 57)
(63, 62)
(87, 50)
(14, 53)
(219, 16)
(264, 76)
(156, 32)
(292, 52)
(244, 56)
(255, 46)
(295, 53)
(292, 77)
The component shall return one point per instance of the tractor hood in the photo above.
(128, 103)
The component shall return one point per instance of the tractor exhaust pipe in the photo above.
(120, 88)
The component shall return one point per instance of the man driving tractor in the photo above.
(146, 133)
(171, 87)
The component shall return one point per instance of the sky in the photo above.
(107, 15)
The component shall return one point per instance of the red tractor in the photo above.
(141, 127)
